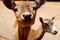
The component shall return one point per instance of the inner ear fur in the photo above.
(41, 20)
(10, 4)
(39, 3)
(53, 18)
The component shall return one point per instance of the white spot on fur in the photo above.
(53, 28)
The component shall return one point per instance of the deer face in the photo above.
(25, 12)
(48, 26)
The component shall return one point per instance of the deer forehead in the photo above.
(26, 12)
(47, 20)
(25, 9)
(23, 5)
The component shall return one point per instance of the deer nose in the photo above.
(27, 17)
(55, 32)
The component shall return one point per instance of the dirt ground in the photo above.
(48, 10)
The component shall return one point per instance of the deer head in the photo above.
(48, 25)
(25, 11)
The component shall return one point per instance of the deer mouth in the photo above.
(55, 32)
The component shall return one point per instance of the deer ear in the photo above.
(9, 4)
(41, 20)
(53, 18)
(39, 3)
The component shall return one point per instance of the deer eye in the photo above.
(46, 24)
(15, 10)
(52, 23)
(34, 8)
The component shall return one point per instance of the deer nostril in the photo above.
(27, 16)
(55, 32)
(30, 15)
(23, 15)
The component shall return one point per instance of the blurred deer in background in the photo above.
(47, 25)
(25, 14)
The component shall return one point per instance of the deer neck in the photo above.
(24, 28)
(41, 36)
(43, 32)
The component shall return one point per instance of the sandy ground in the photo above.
(48, 10)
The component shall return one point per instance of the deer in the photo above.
(47, 25)
(25, 14)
